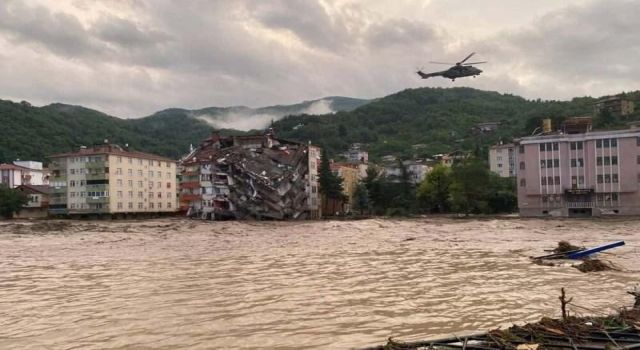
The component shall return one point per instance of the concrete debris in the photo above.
(251, 177)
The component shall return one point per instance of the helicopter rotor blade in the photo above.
(448, 64)
(466, 58)
(472, 63)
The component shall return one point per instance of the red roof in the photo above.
(12, 167)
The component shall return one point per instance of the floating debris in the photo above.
(618, 331)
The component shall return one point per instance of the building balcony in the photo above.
(104, 176)
(96, 165)
(578, 205)
(96, 200)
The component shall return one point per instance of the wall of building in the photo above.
(594, 170)
(502, 160)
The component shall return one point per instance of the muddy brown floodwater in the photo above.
(178, 284)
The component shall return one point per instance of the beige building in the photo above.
(109, 179)
(502, 159)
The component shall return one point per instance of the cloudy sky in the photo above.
(130, 58)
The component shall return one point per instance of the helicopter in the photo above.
(458, 70)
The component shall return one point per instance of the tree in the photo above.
(361, 198)
(11, 201)
(469, 188)
(434, 189)
(330, 183)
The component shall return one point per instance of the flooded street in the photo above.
(178, 284)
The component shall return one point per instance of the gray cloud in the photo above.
(132, 57)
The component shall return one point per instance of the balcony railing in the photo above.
(580, 204)
(95, 200)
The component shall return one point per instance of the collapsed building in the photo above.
(257, 177)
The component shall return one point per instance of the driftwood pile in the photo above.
(587, 265)
(618, 331)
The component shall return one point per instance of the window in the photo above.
(139, 205)
(140, 194)
(599, 161)
(82, 194)
(168, 195)
(500, 165)
(130, 172)
(543, 181)
(557, 180)
(521, 149)
(605, 143)
(72, 183)
(607, 160)
(130, 194)
(72, 171)
(150, 194)
(72, 194)
(140, 184)
(168, 184)
(543, 164)
(556, 163)
(83, 182)
(159, 205)
(581, 180)
(542, 147)
(119, 161)
(614, 160)
(159, 173)
(139, 172)
(150, 173)
(130, 183)
(607, 178)
(614, 196)
(129, 160)
(119, 194)
(555, 146)
(159, 194)
(169, 205)
(119, 182)
(499, 158)
(614, 143)
(119, 205)
(599, 143)
(638, 159)
(614, 178)
(521, 165)
(130, 205)
(168, 175)
(600, 179)
(151, 205)
(576, 145)
(158, 184)
(139, 161)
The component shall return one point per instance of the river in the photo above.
(180, 284)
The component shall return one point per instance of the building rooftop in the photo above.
(111, 149)
(44, 189)
(591, 134)
(6, 166)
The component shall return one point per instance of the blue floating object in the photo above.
(587, 252)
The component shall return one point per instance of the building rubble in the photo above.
(251, 177)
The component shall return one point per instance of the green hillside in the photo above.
(419, 122)
(434, 120)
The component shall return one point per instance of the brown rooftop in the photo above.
(111, 149)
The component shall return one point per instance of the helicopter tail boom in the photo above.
(428, 75)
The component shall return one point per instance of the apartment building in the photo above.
(502, 159)
(616, 105)
(109, 179)
(585, 174)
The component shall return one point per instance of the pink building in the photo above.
(587, 174)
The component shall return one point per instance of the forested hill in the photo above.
(32, 133)
(428, 121)
(421, 121)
